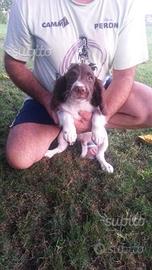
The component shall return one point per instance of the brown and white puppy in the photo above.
(79, 90)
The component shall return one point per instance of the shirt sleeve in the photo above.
(19, 42)
(132, 41)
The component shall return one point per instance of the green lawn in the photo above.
(2, 34)
(2, 30)
(67, 214)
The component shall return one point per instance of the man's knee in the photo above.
(142, 97)
(141, 118)
(19, 155)
(144, 119)
(17, 159)
(27, 144)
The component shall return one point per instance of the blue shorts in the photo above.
(33, 112)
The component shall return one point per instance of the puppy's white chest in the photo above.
(75, 107)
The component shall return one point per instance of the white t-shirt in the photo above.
(103, 33)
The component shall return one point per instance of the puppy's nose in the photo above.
(80, 89)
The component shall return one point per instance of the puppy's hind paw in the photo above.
(107, 167)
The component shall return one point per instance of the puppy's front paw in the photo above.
(49, 154)
(98, 137)
(70, 136)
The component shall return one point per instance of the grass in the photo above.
(2, 30)
(145, 71)
(55, 218)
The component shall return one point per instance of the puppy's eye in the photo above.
(73, 75)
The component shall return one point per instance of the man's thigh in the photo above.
(137, 110)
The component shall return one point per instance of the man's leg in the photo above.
(28, 142)
(137, 111)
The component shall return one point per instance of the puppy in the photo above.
(79, 90)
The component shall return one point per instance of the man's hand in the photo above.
(84, 124)
(52, 113)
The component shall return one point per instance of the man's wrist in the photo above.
(46, 99)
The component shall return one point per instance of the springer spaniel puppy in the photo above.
(79, 90)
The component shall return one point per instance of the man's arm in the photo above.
(24, 79)
(118, 91)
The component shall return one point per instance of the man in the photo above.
(116, 41)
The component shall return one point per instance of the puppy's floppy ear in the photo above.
(97, 99)
(59, 92)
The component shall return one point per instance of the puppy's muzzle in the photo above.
(79, 90)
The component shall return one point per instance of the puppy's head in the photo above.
(79, 83)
